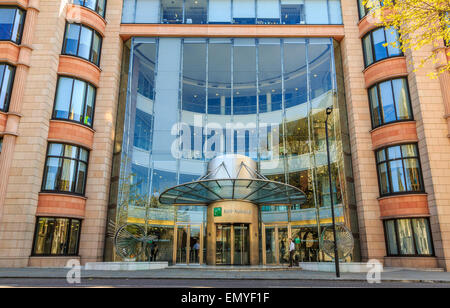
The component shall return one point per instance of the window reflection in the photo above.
(408, 237)
(267, 12)
(82, 41)
(56, 236)
(6, 83)
(374, 45)
(74, 101)
(11, 24)
(195, 12)
(172, 11)
(95, 5)
(293, 12)
(399, 169)
(65, 169)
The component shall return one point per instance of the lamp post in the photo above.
(336, 255)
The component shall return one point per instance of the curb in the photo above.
(390, 280)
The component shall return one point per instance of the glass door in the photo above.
(189, 244)
(276, 244)
(223, 244)
(283, 245)
(241, 244)
(182, 235)
(194, 251)
(270, 245)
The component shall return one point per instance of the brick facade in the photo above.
(27, 128)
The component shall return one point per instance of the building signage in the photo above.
(217, 212)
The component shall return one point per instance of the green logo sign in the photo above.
(297, 240)
(217, 212)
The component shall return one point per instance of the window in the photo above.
(6, 82)
(389, 102)
(267, 12)
(56, 236)
(142, 131)
(74, 101)
(408, 237)
(1, 144)
(374, 45)
(65, 169)
(292, 12)
(11, 24)
(363, 10)
(95, 5)
(399, 169)
(82, 42)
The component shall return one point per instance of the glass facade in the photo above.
(65, 169)
(184, 101)
(75, 100)
(374, 45)
(98, 6)
(399, 170)
(6, 83)
(262, 12)
(408, 237)
(12, 20)
(83, 42)
(56, 236)
(389, 102)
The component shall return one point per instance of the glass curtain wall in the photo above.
(185, 101)
(263, 12)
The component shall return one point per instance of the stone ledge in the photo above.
(353, 267)
(125, 266)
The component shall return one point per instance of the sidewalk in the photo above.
(389, 275)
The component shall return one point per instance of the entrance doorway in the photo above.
(188, 244)
(232, 244)
(275, 244)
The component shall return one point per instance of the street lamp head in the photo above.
(329, 110)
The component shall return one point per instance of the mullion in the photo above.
(380, 103)
(393, 99)
(75, 180)
(85, 103)
(388, 170)
(91, 49)
(404, 170)
(374, 59)
(385, 41)
(416, 250)
(79, 37)
(71, 99)
(69, 228)
(60, 169)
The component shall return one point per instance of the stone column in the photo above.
(430, 103)
(15, 107)
(359, 125)
(93, 230)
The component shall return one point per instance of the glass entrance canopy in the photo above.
(258, 191)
